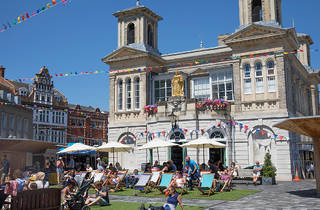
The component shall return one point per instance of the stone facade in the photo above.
(262, 86)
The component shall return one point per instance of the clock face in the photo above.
(43, 82)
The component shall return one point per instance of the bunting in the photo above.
(25, 16)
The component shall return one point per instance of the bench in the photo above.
(245, 176)
(49, 199)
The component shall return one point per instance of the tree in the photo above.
(268, 170)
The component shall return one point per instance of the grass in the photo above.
(131, 205)
(195, 194)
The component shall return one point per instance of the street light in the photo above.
(173, 118)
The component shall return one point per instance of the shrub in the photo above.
(268, 170)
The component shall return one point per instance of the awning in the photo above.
(25, 145)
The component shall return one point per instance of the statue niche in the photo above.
(177, 85)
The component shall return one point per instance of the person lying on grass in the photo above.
(101, 196)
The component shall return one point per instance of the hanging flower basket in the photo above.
(151, 109)
(212, 105)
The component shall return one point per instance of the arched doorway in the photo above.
(218, 134)
(127, 159)
(177, 153)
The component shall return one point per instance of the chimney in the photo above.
(221, 37)
(2, 69)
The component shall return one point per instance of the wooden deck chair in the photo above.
(143, 181)
(97, 176)
(122, 175)
(206, 184)
(165, 182)
(155, 178)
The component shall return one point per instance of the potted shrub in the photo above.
(268, 171)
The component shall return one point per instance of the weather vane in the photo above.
(138, 3)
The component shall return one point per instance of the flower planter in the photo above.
(268, 180)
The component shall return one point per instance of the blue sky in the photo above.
(74, 37)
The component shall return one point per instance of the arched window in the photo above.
(128, 92)
(127, 138)
(247, 79)
(177, 135)
(130, 33)
(150, 36)
(217, 135)
(256, 11)
(120, 94)
(271, 77)
(259, 77)
(137, 93)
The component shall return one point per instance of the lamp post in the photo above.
(173, 119)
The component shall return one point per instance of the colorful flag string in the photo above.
(171, 66)
(26, 16)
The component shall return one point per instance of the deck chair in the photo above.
(206, 184)
(97, 176)
(143, 181)
(155, 178)
(165, 182)
(122, 175)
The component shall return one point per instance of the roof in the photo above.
(308, 126)
(82, 108)
(138, 9)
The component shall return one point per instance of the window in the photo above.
(42, 98)
(53, 117)
(130, 33)
(271, 77)
(80, 123)
(128, 94)
(201, 88)
(120, 96)
(256, 11)
(217, 135)
(222, 85)
(37, 97)
(26, 125)
(259, 77)
(48, 98)
(62, 121)
(177, 136)
(73, 122)
(137, 93)
(19, 123)
(47, 116)
(247, 79)
(162, 90)
(12, 118)
(150, 36)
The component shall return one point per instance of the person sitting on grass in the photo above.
(179, 181)
(131, 180)
(100, 197)
(112, 179)
(225, 176)
(68, 191)
(173, 199)
(256, 172)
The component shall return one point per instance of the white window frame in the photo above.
(120, 95)
(223, 82)
(259, 78)
(194, 87)
(247, 89)
(271, 78)
(137, 93)
(128, 94)
(166, 96)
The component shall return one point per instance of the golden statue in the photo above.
(177, 85)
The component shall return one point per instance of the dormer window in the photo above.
(23, 91)
(130, 34)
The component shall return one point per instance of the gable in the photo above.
(124, 53)
(253, 32)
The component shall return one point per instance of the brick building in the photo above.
(87, 125)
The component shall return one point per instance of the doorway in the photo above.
(177, 157)
(217, 154)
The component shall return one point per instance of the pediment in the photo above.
(254, 31)
(123, 54)
(199, 71)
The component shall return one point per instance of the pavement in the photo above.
(284, 195)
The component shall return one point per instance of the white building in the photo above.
(262, 69)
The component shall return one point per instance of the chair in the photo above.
(155, 177)
(122, 176)
(165, 182)
(143, 181)
(206, 184)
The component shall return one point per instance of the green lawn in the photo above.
(135, 206)
(195, 194)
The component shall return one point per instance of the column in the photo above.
(237, 85)
(281, 78)
(119, 34)
(313, 100)
(112, 98)
(143, 93)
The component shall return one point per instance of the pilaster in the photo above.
(237, 83)
(281, 75)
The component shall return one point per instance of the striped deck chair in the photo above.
(143, 181)
(155, 178)
(122, 175)
(206, 184)
(165, 182)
